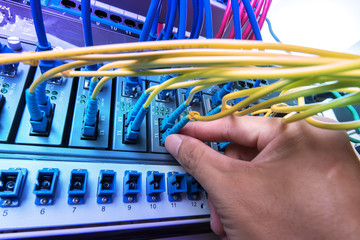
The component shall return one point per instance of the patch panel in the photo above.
(59, 92)
(158, 110)
(116, 213)
(12, 96)
(129, 23)
(123, 104)
(100, 140)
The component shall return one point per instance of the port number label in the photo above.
(42, 211)
(103, 208)
(129, 207)
(74, 208)
(173, 205)
(194, 204)
(5, 213)
(153, 206)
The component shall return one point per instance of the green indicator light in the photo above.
(167, 114)
(5, 85)
(54, 93)
(4, 90)
(128, 104)
(53, 98)
(83, 96)
(82, 101)
(157, 113)
(166, 109)
(47, 91)
(122, 109)
(162, 114)
(162, 109)
(127, 109)
(122, 104)
(156, 108)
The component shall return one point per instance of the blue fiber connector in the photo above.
(155, 185)
(177, 184)
(197, 96)
(13, 182)
(132, 186)
(133, 130)
(222, 146)
(77, 186)
(165, 93)
(45, 187)
(90, 118)
(92, 87)
(106, 186)
(7, 68)
(43, 100)
(175, 129)
(217, 97)
(169, 120)
(134, 111)
(132, 84)
(214, 111)
(194, 188)
(38, 120)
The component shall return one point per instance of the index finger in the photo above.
(247, 131)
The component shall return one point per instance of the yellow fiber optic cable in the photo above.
(350, 99)
(168, 45)
(257, 95)
(49, 74)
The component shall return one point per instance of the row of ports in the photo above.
(12, 182)
(104, 14)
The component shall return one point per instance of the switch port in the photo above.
(55, 81)
(12, 182)
(194, 188)
(155, 185)
(45, 187)
(77, 187)
(132, 186)
(106, 186)
(176, 185)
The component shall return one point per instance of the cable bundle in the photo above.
(204, 63)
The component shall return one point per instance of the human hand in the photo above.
(275, 181)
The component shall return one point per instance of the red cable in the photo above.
(263, 16)
(225, 20)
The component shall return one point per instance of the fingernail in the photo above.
(172, 144)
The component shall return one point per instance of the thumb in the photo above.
(202, 162)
